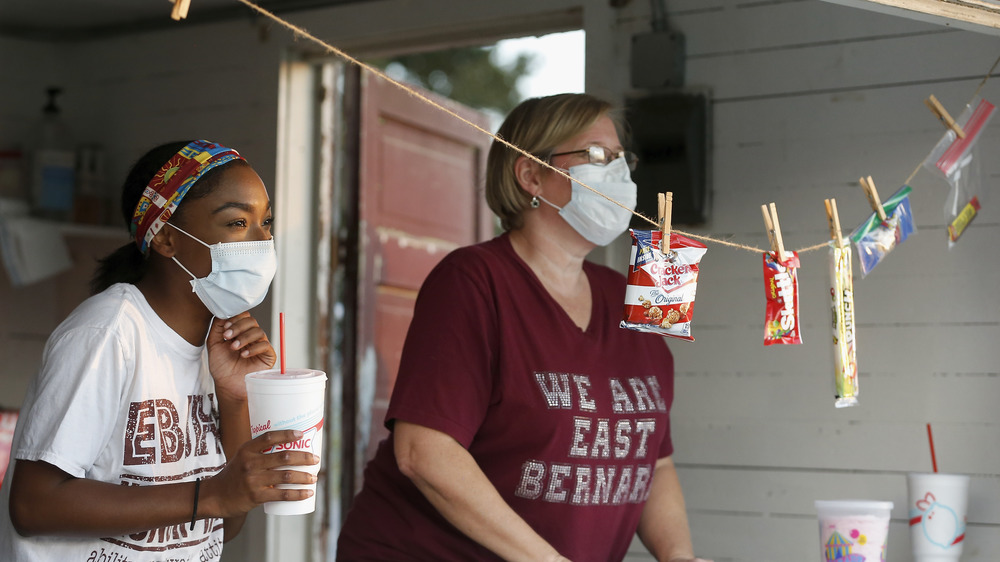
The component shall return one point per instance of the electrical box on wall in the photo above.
(670, 133)
(658, 60)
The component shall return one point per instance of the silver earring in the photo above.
(535, 203)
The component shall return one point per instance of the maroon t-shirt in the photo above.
(566, 423)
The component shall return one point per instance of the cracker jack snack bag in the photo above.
(842, 304)
(781, 286)
(874, 238)
(661, 288)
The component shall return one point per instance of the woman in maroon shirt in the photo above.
(526, 425)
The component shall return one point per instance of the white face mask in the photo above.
(241, 274)
(594, 217)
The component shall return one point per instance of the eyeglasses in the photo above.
(602, 156)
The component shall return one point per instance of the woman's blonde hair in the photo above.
(537, 125)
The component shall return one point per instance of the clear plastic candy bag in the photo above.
(874, 239)
(958, 161)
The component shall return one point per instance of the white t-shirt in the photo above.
(120, 398)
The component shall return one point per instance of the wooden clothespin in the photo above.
(833, 219)
(180, 10)
(768, 227)
(942, 114)
(664, 205)
(773, 230)
(872, 194)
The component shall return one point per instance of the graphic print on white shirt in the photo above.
(121, 398)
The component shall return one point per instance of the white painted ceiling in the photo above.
(981, 16)
(68, 20)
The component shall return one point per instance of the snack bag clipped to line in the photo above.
(661, 288)
(842, 304)
(874, 238)
(958, 161)
(781, 286)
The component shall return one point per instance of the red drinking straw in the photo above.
(930, 439)
(281, 346)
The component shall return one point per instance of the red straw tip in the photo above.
(281, 340)
(930, 441)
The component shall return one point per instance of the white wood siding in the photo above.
(808, 97)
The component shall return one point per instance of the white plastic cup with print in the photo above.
(293, 400)
(853, 529)
(936, 504)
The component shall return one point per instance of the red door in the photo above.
(421, 196)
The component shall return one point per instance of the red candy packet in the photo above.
(781, 286)
(661, 287)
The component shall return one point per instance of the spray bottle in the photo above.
(53, 164)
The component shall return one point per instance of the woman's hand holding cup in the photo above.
(252, 477)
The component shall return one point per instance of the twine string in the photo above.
(914, 174)
(412, 92)
(300, 32)
(985, 79)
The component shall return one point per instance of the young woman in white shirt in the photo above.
(133, 442)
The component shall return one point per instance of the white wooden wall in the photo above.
(21, 98)
(808, 96)
(36, 66)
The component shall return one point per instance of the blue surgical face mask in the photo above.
(595, 218)
(241, 275)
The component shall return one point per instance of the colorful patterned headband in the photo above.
(160, 198)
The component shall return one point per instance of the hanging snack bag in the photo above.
(874, 238)
(661, 287)
(842, 304)
(958, 161)
(781, 286)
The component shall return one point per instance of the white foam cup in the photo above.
(936, 505)
(853, 529)
(293, 400)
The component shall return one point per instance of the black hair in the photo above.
(128, 264)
